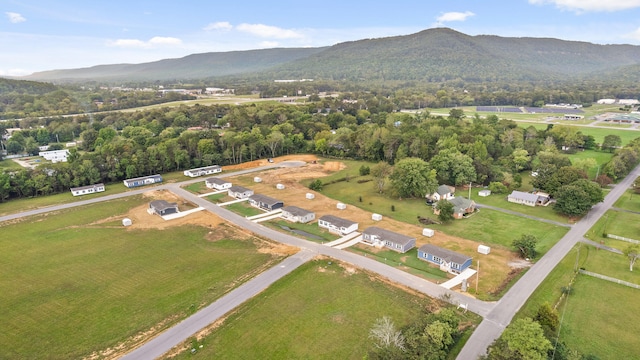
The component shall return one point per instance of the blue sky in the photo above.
(54, 34)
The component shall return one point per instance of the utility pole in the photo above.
(477, 277)
(469, 190)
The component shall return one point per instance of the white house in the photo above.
(217, 183)
(296, 214)
(444, 192)
(381, 237)
(89, 189)
(208, 170)
(239, 192)
(55, 155)
(337, 225)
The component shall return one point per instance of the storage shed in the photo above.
(126, 222)
(428, 232)
(280, 186)
(341, 206)
(257, 179)
(310, 196)
(376, 217)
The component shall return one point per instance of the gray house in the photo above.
(524, 198)
(217, 183)
(239, 192)
(449, 261)
(265, 202)
(296, 214)
(381, 237)
(162, 207)
(337, 225)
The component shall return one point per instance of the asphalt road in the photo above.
(495, 322)
(177, 334)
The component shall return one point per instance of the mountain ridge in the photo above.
(431, 55)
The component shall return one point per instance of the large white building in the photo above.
(55, 155)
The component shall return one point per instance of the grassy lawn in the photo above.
(72, 285)
(243, 208)
(10, 165)
(408, 261)
(319, 235)
(198, 188)
(319, 311)
(497, 228)
(601, 319)
(600, 157)
(629, 201)
(500, 201)
(618, 223)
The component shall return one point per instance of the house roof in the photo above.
(460, 204)
(389, 235)
(87, 187)
(161, 205)
(296, 211)
(443, 190)
(212, 167)
(217, 181)
(145, 177)
(264, 199)
(337, 221)
(238, 188)
(445, 254)
(525, 196)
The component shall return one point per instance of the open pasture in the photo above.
(77, 283)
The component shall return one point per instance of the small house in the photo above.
(265, 202)
(141, 181)
(337, 225)
(296, 214)
(381, 237)
(217, 183)
(208, 170)
(444, 192)
(449, 261)
(55, 156)
(461, 207)
(239, 192)
(89, 189)
(162, 207)
(484, 192)
(524, 198)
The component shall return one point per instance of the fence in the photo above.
(623, 238)
(617, 281)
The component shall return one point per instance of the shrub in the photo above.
(364, 170)
(316, 185)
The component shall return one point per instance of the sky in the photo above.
(40, 35)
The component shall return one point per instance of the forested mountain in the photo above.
(432, 55)
(196, 66)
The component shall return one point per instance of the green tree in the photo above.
(411, 177)
(445, 210)
(380, 173)
(548, 318)
(522, 340)
(364, 170)
(526, 246)
(316, 185)
(5, 186)
(573, 200)
(497, 187)
(611, 142)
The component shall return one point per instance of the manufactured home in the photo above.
(449, 261)
(337, 225)
(381, 237)
(208, 170)
(89, 189)
(265, 202)
(141, 181)
(217, 183)
(296, 214)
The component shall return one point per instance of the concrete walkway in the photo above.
(343, 239)
(465, 275)
(233, 202)
(349, 243)
(181, 214)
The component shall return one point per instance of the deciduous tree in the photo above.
(522, 340)
(526, 245)
(412, 177)
(633, 253)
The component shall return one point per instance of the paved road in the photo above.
(203, 318)
(495, 322)
(481, 206)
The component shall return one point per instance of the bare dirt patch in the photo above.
(263, 162)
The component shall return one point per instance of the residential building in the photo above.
(444, 192)
(141, 181)
(217, 183)
(296, 214)
(55, 156)
(447, 260)
(203, 171)
(239, 192)
(524, 198)
(162, 207)
(337, 225)
(89, 189)
(381, 237)
(265, 202)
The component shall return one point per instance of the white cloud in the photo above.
(220, 25)
(153, 42)
(635, 36)
(269, 44)
(267, 31)
(454, 16)
(590, 5)
(14, 72)
(15, 17)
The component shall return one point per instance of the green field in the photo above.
(500, 201)
(8, 164)
(320, 311)
(629, 201)
(408, 262)
(619, 223)
(311, 228)
(243, 208)
(601, 158)
(76, 282)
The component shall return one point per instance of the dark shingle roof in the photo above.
(217, 181)
(445, 254)
(238, 188)
(337, 221)
(296, 211)
(264, 199)
(161, 205)
(389, 235)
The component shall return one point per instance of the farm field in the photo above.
(322, 310)
(76, 285)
